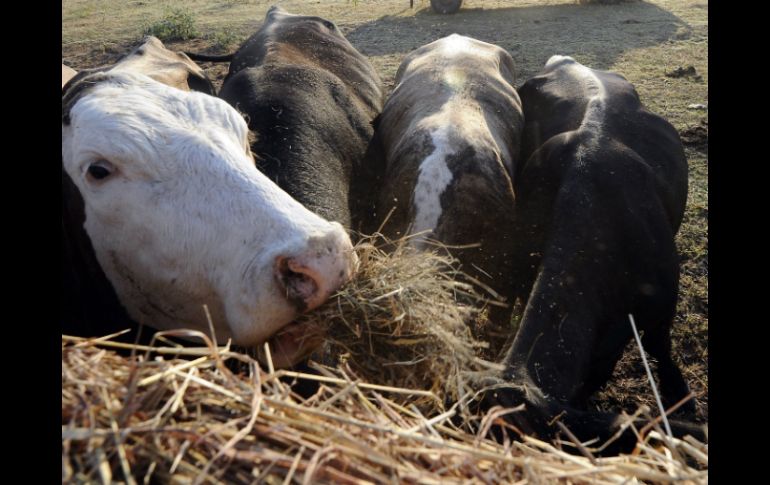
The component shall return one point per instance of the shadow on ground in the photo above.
(593, 34)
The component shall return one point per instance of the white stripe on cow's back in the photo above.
(458, 123)
(433, 179)
(595, 107)
(456, 44)
(458, 120)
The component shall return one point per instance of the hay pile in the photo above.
(152, 418)
(399, 323)
(399, 346)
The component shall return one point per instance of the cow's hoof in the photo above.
(501, 410)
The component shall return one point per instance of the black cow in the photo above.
(310, 98)
(599, 201)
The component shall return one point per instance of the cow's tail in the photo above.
(207, 58)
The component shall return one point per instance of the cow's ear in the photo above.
(534, 84)
(200, 84)
(76, 87)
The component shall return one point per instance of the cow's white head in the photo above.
(179, 216)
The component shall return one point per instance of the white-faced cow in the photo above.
(163, 211)
(599, 200)
(309, 97)
(450, 135)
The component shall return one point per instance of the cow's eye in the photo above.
(100, 170)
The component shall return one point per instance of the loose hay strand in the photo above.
(650, 378)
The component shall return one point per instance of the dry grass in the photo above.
(379, 414)
(398, 322)
(153, 418)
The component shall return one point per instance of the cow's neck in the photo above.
(90, 306)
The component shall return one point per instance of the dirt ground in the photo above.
(652, 43)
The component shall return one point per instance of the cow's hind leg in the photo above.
(673, 387)
(601, 373)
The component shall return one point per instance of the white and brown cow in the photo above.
(163, 212)
(450, 135)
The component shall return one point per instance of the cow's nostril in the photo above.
(310, 275)
(298, 282)
(301, 284)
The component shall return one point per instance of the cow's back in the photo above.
(309, 98)
(171, 68)
(284, 40)
(307, 138)
(67, 73)
(556, 102)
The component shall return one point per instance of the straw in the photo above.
(250, 427)
(399, 348)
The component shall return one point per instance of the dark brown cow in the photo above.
(309, 97)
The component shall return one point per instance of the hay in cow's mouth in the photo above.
(292, 343)
(398, 321)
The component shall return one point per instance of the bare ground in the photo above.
(652, 43)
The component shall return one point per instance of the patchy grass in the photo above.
(176, 24)
(224, 40)
(641, 40)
